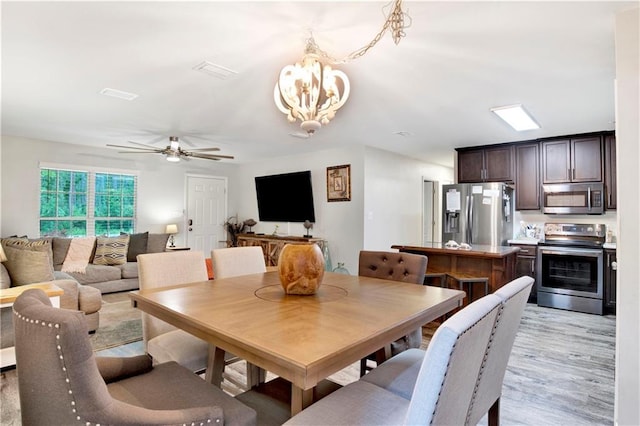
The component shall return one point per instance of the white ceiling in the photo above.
(457, 61)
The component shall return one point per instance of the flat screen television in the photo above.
(286, 197)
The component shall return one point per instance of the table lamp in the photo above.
(172, 228)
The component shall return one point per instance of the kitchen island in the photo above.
(497, 263)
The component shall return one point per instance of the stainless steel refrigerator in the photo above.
(477, 213)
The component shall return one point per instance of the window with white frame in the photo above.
(76, 203)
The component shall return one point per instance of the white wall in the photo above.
(627, 409)
(161, 185)
(394, 198)
(384, 184)
(340, 223)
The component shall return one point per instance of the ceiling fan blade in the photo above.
(149, 149)
(142, 145)
(208, 156)
(204, 149)
(139, 152)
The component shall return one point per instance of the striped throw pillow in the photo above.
(111, 250)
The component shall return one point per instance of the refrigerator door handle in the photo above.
(469, 218)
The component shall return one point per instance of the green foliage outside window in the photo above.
(64, 199)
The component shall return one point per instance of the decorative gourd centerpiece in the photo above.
(301, 268)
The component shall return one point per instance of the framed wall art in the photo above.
(339, 183)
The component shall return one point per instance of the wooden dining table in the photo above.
(303, 339)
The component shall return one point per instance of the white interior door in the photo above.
(206, 213)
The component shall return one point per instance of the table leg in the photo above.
(300, 399)
(215, 366)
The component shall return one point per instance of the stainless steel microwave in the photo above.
(573, 198)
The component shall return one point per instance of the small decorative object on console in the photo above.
(250, 223)
(308, 225)
(301, 268)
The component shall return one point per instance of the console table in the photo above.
(272, 245)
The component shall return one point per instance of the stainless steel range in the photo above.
(570, 267)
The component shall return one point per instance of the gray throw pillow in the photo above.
(28, 266)
(60, 248)
(157, 243)
(137, 245)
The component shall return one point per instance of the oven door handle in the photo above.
(571, 253)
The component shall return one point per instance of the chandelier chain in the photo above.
(395, 20)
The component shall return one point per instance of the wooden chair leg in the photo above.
(363, 367)
(494, 414)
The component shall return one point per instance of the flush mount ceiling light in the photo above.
(517, 117)
(312, 91)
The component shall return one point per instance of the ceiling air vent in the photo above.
(115, 93)
(214, 70)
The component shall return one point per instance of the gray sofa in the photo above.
(107, 278)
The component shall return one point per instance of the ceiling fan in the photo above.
(173, 152)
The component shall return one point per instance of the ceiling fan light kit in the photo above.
(173, 152)
(313, 92)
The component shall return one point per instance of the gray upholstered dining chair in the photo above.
(164, 342)
(441, 391)
(62, 382)
(400, 373)
(405, 267)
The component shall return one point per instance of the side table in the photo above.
(8, 296)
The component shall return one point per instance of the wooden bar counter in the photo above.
(498, 263)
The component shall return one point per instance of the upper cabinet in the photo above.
(610, 183)
(588, 157)
(572, 160)
(486, 164)
(527, 176)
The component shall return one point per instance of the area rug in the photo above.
(120, 323)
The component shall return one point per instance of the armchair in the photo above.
(60, 379)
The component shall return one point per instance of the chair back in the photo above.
(451, 365)
(514, 296)
(58, 380)
(165, 269)
(405, 267)
(234, 261)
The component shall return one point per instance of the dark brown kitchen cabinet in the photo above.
(527, 176)
(610, 278)
(526, 265)
(486, 165)
(572, 160)
(610, 183)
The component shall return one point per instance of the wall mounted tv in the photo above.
(286, 197)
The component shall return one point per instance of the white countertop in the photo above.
(525, 241)
(609, 246)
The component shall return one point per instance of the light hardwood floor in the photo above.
(561, 370)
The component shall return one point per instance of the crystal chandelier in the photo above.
(311, 91)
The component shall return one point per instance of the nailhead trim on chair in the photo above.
(484, 363)
(452, 350)
(60, 356)
(64, 368)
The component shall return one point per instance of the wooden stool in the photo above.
(441, 276)
(471, 280)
